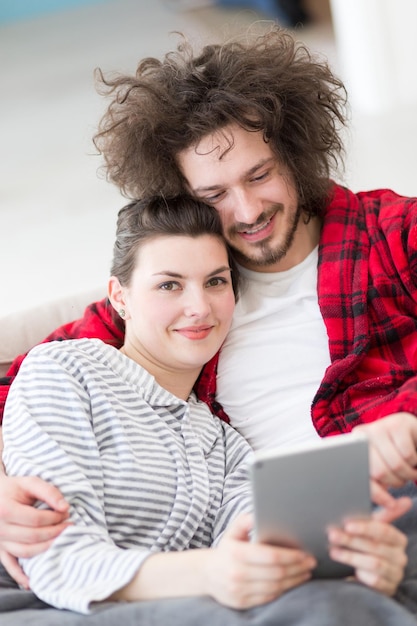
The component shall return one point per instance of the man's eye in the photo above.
(212, 199)
(260, 177)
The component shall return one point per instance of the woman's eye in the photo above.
(169, 286)
(216, 281)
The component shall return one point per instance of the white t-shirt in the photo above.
(274, 357)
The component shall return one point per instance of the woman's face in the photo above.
(179, 303)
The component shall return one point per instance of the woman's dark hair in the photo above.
(267, 82)
(143, 220)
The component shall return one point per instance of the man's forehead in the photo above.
(217, 143)
(224, 157)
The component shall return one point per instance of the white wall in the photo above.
(377, 50)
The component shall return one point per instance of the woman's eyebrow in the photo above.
(223, 268)
(171, 274)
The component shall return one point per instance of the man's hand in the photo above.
(393, 448)
(25, 530)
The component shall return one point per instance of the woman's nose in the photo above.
(197, 304)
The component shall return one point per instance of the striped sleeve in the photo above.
(47, 432)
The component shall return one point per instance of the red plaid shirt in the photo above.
(367, 287)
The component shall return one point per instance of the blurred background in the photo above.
(58, 216)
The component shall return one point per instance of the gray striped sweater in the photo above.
(143, 470)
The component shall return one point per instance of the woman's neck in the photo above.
(178, 382)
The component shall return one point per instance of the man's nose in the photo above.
(246, 207)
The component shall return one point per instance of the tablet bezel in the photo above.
(299, 492)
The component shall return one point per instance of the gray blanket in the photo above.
(317, 603)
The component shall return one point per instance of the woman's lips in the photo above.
(195, 332)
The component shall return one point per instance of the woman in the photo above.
(147, 470)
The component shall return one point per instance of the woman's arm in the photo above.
(237, 573)
(51, 436)
(25, 531)
(47, 434)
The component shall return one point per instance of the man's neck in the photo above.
(306, 238)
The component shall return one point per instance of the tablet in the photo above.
(298, 492)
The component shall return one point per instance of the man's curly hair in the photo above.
(266, 82)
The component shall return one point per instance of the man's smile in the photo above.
(257, 232)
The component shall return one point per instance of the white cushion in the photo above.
(21, 331)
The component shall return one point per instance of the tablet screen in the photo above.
(299, 492)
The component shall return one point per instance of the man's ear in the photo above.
(117, 296)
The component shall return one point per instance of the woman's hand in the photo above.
(25, 530)
(374, 548)
(241, 574)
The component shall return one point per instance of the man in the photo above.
(328, 315)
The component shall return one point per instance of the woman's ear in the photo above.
(116, 295)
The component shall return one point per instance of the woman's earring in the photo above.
(122, 313)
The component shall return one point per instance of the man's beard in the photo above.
(267, 255)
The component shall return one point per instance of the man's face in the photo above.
(254, 195)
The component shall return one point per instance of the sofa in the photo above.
(22, 330)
